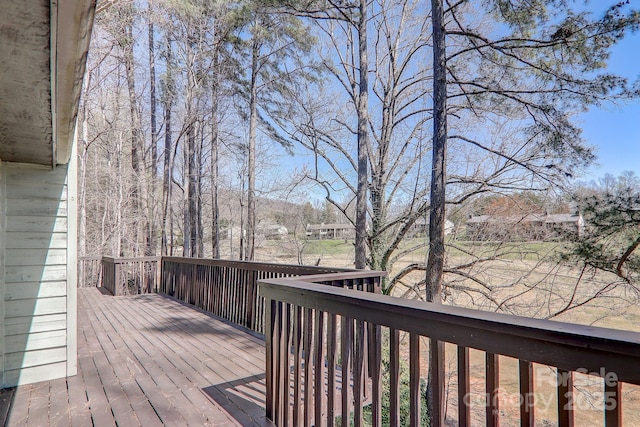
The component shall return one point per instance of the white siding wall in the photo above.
(3, 208)
(38, 281)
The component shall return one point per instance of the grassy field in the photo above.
(527, 275)
(506, 250)
(328, 247)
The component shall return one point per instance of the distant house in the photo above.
(527, 227)
(330, 231)
(559, 225)
(421, 227)
(268, 231)
(272, 231)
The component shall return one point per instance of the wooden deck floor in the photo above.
(149, 360)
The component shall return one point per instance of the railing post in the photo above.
(331, 367)
(375, 362)
(492, 363)
(108, 274)
(269, 331)
(345, 347)
(527, 401)
(612, 402)
(565, 398)
(358, 366)
(464, 387)
(394, 377)
(414, 380)
(436, 350)
(318, 378)
(158, 274)
(117, 290)
(297, 371)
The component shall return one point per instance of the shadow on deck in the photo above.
(150, 360)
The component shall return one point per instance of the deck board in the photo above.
(149, 360)
(58, 403)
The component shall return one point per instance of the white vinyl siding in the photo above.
(38, 247)
(3, 238)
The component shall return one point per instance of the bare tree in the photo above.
(277, 67)
(393, 144)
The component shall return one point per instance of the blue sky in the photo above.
(615, 130)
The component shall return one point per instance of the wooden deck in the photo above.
(149, 360)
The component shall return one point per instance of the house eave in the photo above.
(43, 44)
(74, 22)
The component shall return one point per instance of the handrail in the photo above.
(131, 259)
(258, 266)
(608, 353)
(229, 289)
(536, 340)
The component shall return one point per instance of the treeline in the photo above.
(190, 107)
(173, 97)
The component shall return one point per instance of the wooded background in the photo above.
(204, 119)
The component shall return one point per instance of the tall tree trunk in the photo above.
(192, 192)
(194, 175)
(186, 222)
(190, 217)
(243, 228)
(119, 225)
(166, 170)
(363, 142)
(215, 211)
(199, 228)
(191, 156)
(435, 261)
(251, 154)
(151, 214)
(137, 144)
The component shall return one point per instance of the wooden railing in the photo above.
(320, 339)
(229, 289)
(89, 271)
(333, 353)
(129, 276)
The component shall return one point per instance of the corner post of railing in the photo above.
(108, 278)
(117, 289)
(102, 273)
(270, 313)
(158, 274)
